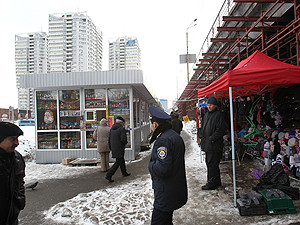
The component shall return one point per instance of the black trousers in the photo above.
(119, 162)
(161, 218)
(212, 161)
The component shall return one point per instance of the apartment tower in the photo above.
(124, 54)
(74, 43)
(30, 58)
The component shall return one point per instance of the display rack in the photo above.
(95, 98)
(70, 140)
(47, 110)
(69, 105)
(47, 140)
(90, 141)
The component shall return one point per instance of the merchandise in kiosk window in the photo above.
(95, 98)
(46, 110)
(70, 140)
(118, 105)
(69, 105)
(47, 140)
(92, 121)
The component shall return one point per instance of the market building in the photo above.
(250, 62)
(69, 106)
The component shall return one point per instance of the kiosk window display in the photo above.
(69, 105)
(118, 105)
(95, 98)
(46, 110)
(70, 140)
(47, 140)
(95, 110)
(136, 111)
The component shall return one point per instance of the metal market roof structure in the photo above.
(241, 28)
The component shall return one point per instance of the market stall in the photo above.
(69, 107)
(254, 76)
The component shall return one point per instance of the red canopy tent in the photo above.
(254, 74)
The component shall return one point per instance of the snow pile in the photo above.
(125, 204)
(39, 172)
(27, 143)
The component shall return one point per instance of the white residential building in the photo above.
(30, 58)
(124, 54)
(74, 43)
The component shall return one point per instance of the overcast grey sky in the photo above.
(159, 25)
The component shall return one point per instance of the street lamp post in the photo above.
(187, 48)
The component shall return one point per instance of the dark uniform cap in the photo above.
(9, 129)
(158, 113)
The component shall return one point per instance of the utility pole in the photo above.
(187, 49)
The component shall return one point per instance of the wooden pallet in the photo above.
(85, 162)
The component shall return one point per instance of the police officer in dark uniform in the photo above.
(167, 168)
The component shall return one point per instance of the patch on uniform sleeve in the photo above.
(162, 152)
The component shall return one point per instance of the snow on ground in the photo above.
(133, 202)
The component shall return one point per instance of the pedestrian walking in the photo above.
(12, 173)
(101, 134)
(117, 142)
(167, 168)
(211, 136)
(176, 122)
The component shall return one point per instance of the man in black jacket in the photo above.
(12, 173)
(211, 135)
(117, 141)
(167, 168)
(176, 123)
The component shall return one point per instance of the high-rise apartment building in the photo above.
(30, 58)
(74, 43)
(124, 54)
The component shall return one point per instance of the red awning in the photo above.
(253, 75)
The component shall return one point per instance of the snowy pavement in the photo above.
(131, 202)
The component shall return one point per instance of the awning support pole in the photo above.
(232, 145)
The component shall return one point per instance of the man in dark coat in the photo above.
(12, 173)
(117, 141)
(211, 135)
(167, 168)
(176, 123)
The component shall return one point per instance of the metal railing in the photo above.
(225, 10)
